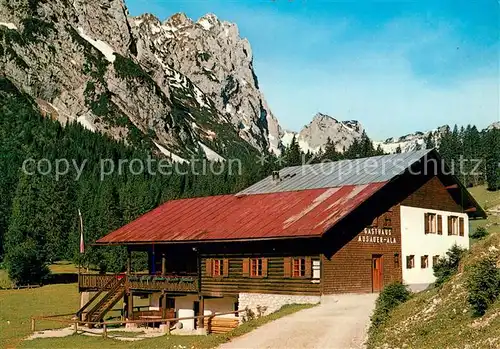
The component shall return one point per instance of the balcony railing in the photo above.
(94, 281)
(169, 283)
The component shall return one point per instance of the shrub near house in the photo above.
(483, 284)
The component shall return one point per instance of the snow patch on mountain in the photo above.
(205, 23)
(211, 155)
(412, 141)
(169, 154)
(86, 123)
(495, 125)
(392, 147)
(102, 46)
(9, 25)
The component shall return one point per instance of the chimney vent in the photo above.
(276, 176)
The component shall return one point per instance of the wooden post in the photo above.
(129, 261)
(130, 305)
(198, 267)
(201, 320)
(153, 260)
(33, 324)
(164, 306)
(163, 264)
(104, 331)
(168, 327)
(76, 327)
(125, 305)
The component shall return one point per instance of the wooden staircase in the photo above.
(113, 291)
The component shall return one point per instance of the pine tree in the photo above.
(379, 150)
(493, 159)
(25, 240)
(331, 152)
(57, 199)
(111, 218)
(367, 148)
(26, 266)
(293, 154)
(429, 141)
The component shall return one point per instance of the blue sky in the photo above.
(396, 66)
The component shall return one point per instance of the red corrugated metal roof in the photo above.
(258, 216)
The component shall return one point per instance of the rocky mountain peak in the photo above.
(209, 21)
(315, 135)
(178, 20)
(495, 125)
(219, 62)
(90, 62)
(320, 117)
(146, 17)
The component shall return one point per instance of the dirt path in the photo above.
(339, 322)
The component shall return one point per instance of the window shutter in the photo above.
(450, 226)
(462, 226)
(264, 267)
(287, 267)
(440, 224)
(246, 267)
(426, 217)
(225, 267)
(208, 267)
(308, 267)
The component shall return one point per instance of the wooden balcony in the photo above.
(141, 282)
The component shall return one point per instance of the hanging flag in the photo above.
(82, 244)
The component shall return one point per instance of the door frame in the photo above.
(380, 259)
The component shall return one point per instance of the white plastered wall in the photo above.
(184, 306)
(220, 305)
(415, 242)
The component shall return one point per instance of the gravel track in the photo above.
(339, 322)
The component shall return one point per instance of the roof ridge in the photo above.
(338, 173)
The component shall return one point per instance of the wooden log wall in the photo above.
(275, 282)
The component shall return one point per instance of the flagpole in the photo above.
(81, 241)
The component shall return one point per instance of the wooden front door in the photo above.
(377, 273)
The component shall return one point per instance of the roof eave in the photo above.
(176, 242)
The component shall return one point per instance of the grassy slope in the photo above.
(63, 267)
(441, 318)
(487, 199)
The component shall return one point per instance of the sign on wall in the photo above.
(377, 236)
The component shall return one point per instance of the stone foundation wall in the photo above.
(264, 304)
